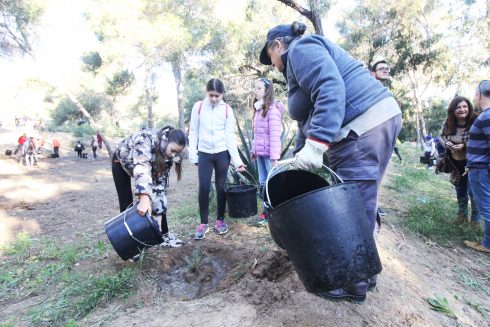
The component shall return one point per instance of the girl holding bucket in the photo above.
(211, 146)
(341, 108)
(267, 128)
(148, 156)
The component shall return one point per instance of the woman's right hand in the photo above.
(144, 204)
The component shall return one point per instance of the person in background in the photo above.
(381, 71)
(441, 150)
(94, 144)
(454, 137)
(478, 156)
(148, 156)
(340, 108)
(99, 140)
(56, 147)
(211, 146)
(79, 148)
(29, 150)
(20, 142)
(429, 151)
(267, 129)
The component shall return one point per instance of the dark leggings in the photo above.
(462, 187)
(220, 163)
(124, 192)
(79, 153)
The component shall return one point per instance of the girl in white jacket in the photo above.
(211, 146)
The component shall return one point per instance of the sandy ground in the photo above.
(256, 285)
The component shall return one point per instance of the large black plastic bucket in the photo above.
(242, 200)
(325, 231)
(130, 233)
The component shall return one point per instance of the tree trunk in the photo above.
(419, 139)
(149, 105)
(91, 122)
(315, 18)
(149, 86)
(177, 70)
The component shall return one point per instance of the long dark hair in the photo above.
(216, 85)
(450, 124)
(172, 136)
(268, 96)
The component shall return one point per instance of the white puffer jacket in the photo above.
(212, 130)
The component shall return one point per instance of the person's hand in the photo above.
(240, 168)
(449, 144)
(458, 146)
(144, 205)
(274, 162)
(311, 156)
(254, 157)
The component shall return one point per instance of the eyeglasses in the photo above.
(387, 69)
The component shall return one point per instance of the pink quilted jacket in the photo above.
(267, 132)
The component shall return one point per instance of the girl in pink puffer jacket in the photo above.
(267, 129)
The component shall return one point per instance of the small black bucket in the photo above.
(242, 200)
(130, 233)
(324, 230)
(8, 152)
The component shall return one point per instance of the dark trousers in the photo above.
(94, 150)
(220, 163)
(79, 153)
(124, 192)
(363, 159)
(397, 152)
(428, 159)
(462, 187)
(56, 150)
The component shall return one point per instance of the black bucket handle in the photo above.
(286, 163)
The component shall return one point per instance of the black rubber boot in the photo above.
(354, 293)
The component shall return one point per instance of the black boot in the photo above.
(462, 210)
(355, 292)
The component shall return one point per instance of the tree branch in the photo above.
(305, 12)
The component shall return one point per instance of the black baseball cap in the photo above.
(274, 33)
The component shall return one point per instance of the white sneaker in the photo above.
(170, 240)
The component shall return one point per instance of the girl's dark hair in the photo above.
(449, 127)
(216, 85)
(268, 96)
(297, 28)
(173, 135)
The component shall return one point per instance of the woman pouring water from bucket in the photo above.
(341, 108)
(148, 156)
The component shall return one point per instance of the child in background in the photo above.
(79, 148)
(147, 156)
(267, 129)
(94, 145)
(211, 147)
(430, 150)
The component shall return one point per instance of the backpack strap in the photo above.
(200, 107)
(226, 111)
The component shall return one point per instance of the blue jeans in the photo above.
(480, 185)
(264, 165)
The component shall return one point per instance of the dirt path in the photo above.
(68, 199)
